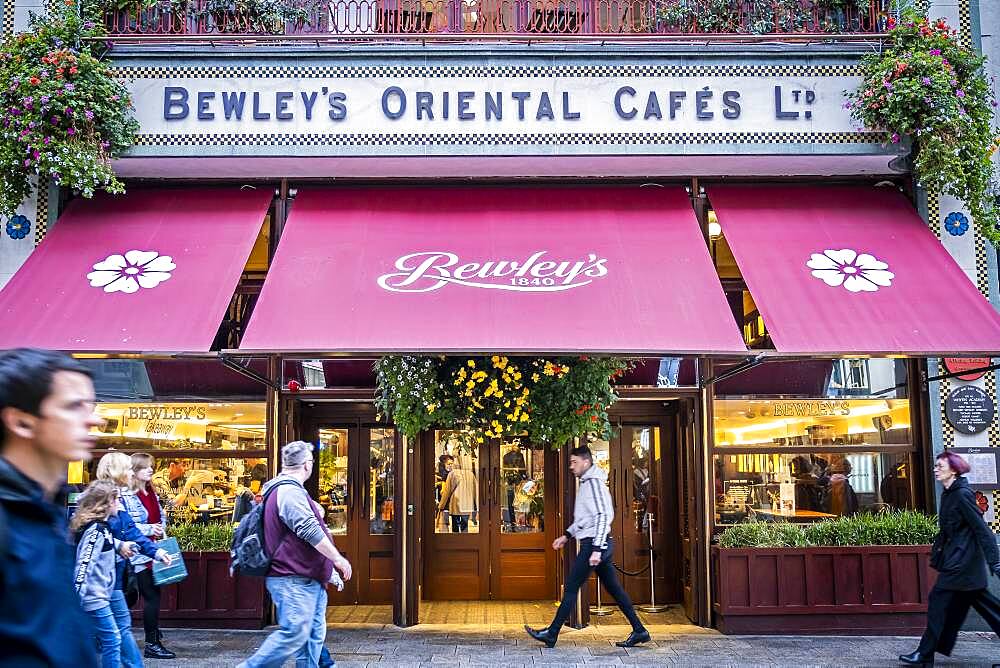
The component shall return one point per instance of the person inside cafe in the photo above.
(171, 484)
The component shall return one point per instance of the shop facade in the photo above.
(701, 210)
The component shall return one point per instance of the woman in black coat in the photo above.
(963, 550)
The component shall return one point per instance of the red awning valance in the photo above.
(152, 271)
(843, 270)
(622, 270)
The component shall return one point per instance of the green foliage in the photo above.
(927, 87)
(551, 400)
(210, 537)
(759, 17)
(892, 527)
(64, 115)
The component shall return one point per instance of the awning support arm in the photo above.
(236, 365)
(955, 374)
(756, 360)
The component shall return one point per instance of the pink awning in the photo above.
(492, 269)
(851, 270)
(152, 271)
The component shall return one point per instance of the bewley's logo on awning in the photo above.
(431, 270)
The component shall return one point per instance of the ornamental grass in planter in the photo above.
(864, 574)
(892, 527)
(210, 597)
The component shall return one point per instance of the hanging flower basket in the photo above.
(64, 115)
(547, 400)
(927, 87)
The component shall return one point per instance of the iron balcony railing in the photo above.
(380, 19)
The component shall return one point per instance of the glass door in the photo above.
(355, 484)
(456, 558)
(632, 461)
(522, 565)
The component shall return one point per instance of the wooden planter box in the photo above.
(209, 598)
(872, 590)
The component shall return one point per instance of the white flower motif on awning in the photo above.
(131, 271)
(857, 272)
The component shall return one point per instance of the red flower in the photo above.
(593, 418)
(72, 70)
(34, 81)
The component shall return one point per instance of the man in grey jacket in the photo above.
(303, 559)
(593, 513)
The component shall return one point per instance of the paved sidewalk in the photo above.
(380, 645)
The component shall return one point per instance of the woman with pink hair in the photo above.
(962, 552)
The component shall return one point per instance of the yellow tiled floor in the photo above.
(490, 613)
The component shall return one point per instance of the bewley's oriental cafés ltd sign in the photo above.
(492, 105)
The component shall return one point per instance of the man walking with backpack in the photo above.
(302, 561)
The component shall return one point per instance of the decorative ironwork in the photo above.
(375, 18)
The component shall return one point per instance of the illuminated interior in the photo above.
(799, 422)
(182, 426)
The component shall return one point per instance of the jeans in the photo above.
(460, 524)
(301, 604)
(131, 658)
(107, 636)
(580, 573)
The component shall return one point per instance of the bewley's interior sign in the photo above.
(490, 105)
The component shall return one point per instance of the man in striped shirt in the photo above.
(592, 517)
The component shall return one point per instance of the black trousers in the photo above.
(946, 612)
(150, 604)
(578, 576)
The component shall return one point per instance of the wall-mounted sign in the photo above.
(435, 108)
(969, 409)
(960, 364)
(800, 409)
(984, 466)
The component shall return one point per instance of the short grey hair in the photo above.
(295, 454)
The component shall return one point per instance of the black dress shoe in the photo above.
(542, 635)
(634, 638)
(916, 659)
(155, 650)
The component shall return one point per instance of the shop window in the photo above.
(661, 372)
(200, 489)
(207, 455)
(805, 459)
(148, 427)
(143, 380)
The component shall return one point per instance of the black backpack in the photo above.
(249, 554)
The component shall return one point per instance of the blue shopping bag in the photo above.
(176, 571)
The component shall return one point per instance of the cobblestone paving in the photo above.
(379, 645)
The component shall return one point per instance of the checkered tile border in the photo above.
(8, 17)
(995, 524)
(42, 209)
(965, 23)
(484, 71)
(934, 213)
(982, 266)
(507, 139)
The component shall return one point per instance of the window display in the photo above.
(807, 459)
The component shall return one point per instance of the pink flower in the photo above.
(71, 131)
(935, 52)
(895, 138)
(960, 93)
